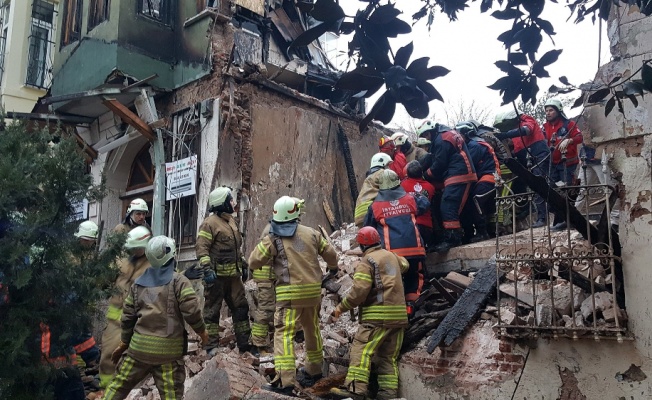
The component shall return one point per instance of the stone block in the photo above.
(347, 283)
(603, 301)
(544, 314)
(561, 294)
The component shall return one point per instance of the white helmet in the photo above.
(138, 238)
(425, 127)
(389, 180)
(137, 205)
(505, 119)
(286, 209)
(218, 196)
(380, 160)
(423, 142)
(87, 230)
(160, 250)
(399, 138)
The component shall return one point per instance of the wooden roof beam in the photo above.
(130, 118)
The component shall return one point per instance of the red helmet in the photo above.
(367, 236)
(386, 145)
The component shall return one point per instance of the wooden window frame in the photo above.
(98, 12)
(71, 25)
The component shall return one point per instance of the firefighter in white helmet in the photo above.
(87, 233)
(131, 268)
(136, 214)
(153, 332)
(403, 144)
(292, 250)
(369, 189)
(218, 248)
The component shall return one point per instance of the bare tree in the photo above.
(454, 113)
(538, 111)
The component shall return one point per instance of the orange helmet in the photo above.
(386, 145)
(367, 236)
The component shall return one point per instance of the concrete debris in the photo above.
(603, 301)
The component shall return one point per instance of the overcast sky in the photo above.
(468, 47)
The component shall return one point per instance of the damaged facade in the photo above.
(215, 80)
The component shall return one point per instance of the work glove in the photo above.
(335, 315)
(204, 337)
(194, 273)
(333, 272)
(117, 353)
(245, 274)
(209, 277)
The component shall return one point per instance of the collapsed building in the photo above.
(213, 83)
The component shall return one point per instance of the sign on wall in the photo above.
(181, 178)
(80, 211)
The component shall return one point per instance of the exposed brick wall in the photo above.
(476, 359)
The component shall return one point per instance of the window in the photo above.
(72, 16)
(4, 31)
(142, 170)
(159, 10)
(98, 12)
(39, 64)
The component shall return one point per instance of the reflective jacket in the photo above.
(266, 272)
(130, 269)
(394, 214)
(368, 193)
(484, 160)
(416, 186)
(452, 163)
(535, 135)
(298, 274)
(153, 317)
(378, 289)
(218, 244)
(562, 129)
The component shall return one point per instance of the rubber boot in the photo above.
(452, 238)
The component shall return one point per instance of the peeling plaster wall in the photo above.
(627, 140)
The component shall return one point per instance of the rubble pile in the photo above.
(565, 283)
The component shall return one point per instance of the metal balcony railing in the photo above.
(41, 45)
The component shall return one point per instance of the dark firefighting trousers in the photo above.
(231, 290)
(452, 203)
(413, 278)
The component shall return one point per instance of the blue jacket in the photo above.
(393, 213)
(452, 163)
(484, 159)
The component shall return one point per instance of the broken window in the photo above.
(159, 10)
(4, 30)
(41, 44)
(72, 21)
(98, 12)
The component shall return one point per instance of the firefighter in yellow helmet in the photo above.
(378, 290)
(131, 268)
(218, 248)
(136, 214)
(292, 250)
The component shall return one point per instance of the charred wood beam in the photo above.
(421, 327)
(541, 187)
(348, 161)
(442, 290)
(467, 307)
(581, 281)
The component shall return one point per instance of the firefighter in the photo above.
(292, 249)
(530, 147)
(88, 353)
(378, 290)
(369, 189)
(153, 332)
(136, 214)
(218, 248)
(386, 145)
(563, 138)
(486, 167)
(403, 144)
(423, 144)
(452, 166)
(130, 269)
(394, 214)
(414, 184)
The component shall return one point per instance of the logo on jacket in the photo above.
(394, 203)
(418, 188)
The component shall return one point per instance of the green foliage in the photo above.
(46, 275)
